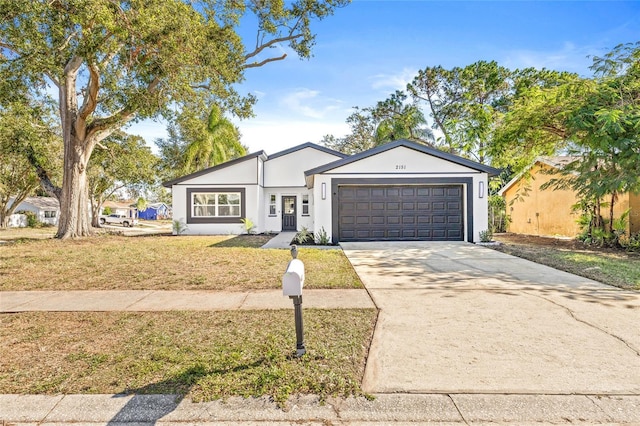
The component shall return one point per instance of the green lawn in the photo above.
(110, 262)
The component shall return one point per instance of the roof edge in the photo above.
(407, 144)
(307, 145)
(170, 183)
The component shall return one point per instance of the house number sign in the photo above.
(401, 167)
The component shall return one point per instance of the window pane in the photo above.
(199, 199)
(272, 198)
(204, 211)
(233, 199)
(204, 199)
(272, 209)
(229, 211)
(305, 209)
(222, 199)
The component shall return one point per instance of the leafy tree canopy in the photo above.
(114, 61)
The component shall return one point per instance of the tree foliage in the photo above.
(217, 140)
(121, 162)
(114, 61)
(26, 131)
(598, 120)
(464, 104)
(389, 120)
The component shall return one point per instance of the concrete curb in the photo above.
(307, 409)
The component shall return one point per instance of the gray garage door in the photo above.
(408, 212)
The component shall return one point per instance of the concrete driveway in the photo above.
(461, 318)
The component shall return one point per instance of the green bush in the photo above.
(32, 219)
(631, 244)
(486, 236)
(248, 225)
(303, 236)
(322, 238)
(107, 211)
(179, 227)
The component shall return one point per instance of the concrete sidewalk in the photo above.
(153, 300)
(400, 409)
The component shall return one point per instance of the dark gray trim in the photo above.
(407, 144)
(468, 181)
(169, 183)
(307, 145)
(243, 203)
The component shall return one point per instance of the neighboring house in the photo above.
(126, 209)
(534, 211)
(47, 209)
(154, 211)
(398, 191)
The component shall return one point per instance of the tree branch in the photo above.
(91, 97)
(271, 43)
(266, 61)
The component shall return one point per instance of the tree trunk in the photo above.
(613, 201)
(74, 199)
(96, 204)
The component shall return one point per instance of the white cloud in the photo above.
(309, 103)
(392, 82)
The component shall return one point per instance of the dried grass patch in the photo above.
(204, 355)
(161, 263)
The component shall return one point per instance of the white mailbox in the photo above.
(293, 278)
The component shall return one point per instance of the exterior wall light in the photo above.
(481, 189)
(323, 190)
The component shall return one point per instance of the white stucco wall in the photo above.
(245, 172)
(180, 205)
(274, 223)
(402, 160)
(288, 170)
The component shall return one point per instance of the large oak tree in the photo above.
(114, 61)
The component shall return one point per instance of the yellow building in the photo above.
(534, 211)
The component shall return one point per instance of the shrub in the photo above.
(32, 219)
(303, 236)
(248, 225)
(631, 244)
(107, 211)
(486, 236)
(179, 227)
(322, 238)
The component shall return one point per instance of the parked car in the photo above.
(119, 219)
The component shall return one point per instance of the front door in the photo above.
(289, 213)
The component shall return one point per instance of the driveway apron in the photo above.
(462, 318)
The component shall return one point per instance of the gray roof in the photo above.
(43, 203)
(307, 145)
(407, 144)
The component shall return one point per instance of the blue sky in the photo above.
(369, 49)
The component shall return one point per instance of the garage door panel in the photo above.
(408, 206)
(408, 212)
(377, 220)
